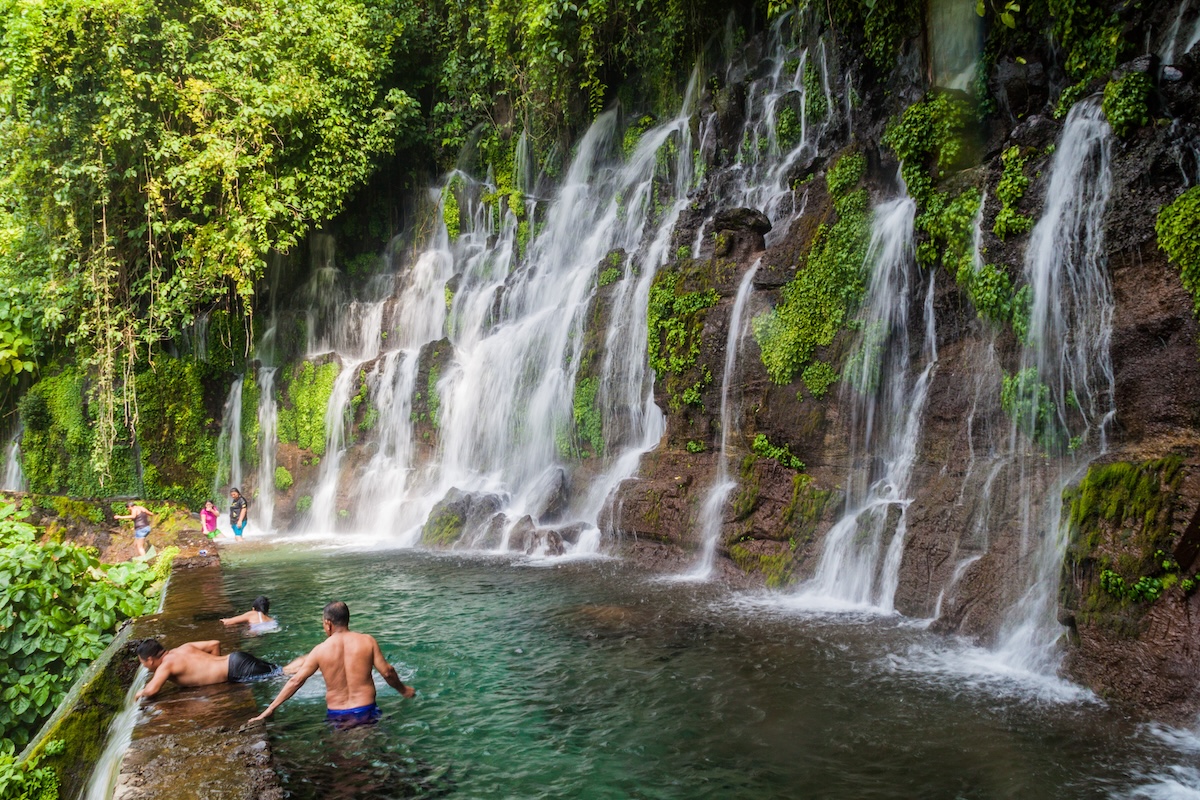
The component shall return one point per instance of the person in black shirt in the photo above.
(237, 512)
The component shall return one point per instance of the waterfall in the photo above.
(1066, 386)
(713, 511)
(120, 734)
(268, 414)
(856, 569)
(786, 116)
(14, 475)
(229, 445)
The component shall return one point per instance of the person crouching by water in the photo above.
(208, 516)
(345, 660)
(141, 525)
(198, 664)
(237, 512)
(256, 616)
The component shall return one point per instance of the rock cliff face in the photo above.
(918, 425)
(967, 548)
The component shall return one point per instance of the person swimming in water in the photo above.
(256, 616)
(345, 660)
(198, 664)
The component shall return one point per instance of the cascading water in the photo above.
(858, 566)
(713, 511)
(14, 475)
(120, 734)
(229, 444)
(268, 415)
(1062, 399)
(787, 113)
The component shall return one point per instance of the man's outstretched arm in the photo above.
(156, 682)
(389, 673)
(306, 671)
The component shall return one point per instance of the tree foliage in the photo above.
(152, 154)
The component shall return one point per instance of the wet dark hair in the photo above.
(235, 489)
(261, 604)
(149, 648)
(338, 614)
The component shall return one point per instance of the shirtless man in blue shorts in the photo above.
(345, 660)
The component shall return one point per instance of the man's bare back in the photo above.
(345, 659)
(189, 664)
(197, 664)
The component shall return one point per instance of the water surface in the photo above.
(594, 680)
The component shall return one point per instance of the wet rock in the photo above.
(1172, 74)
(456, 514)
(523, 535)
(739, 219)
(1019, 89)
(571, 533)
(549, 498)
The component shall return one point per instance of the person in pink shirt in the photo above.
(208, 516)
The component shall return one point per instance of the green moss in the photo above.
(805, 508)
(59, 440)
(283, 479)
(748, 488)
(68, 508)
(1178, 231)
(589, 420)
(433, 399)
(450, 213)
(178, 441)
(782, 454)
(303, 503)
(633, 134)
(1126, 103)
(930, 139)
(776, 569)
(787, 128)
(442, 529)
(693, 446)
(818, 377)
(1121, 520)
(817, 303)
(609, 276)
(306, 396)
(1012, 187)
(675, 319)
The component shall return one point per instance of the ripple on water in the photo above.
(595, 680)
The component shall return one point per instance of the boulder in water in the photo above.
(455, 514)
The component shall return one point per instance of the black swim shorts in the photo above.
(245, 667)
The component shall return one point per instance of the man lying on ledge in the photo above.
(345, 660)
(198, 664)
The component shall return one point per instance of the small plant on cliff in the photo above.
(782, 454)
(1027, 402)
(695, 447)
(1126, 103)
(1178, 230)
(1012, 187)
(816, 304)
(675, 319)
(818, 377)
(283, 479)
